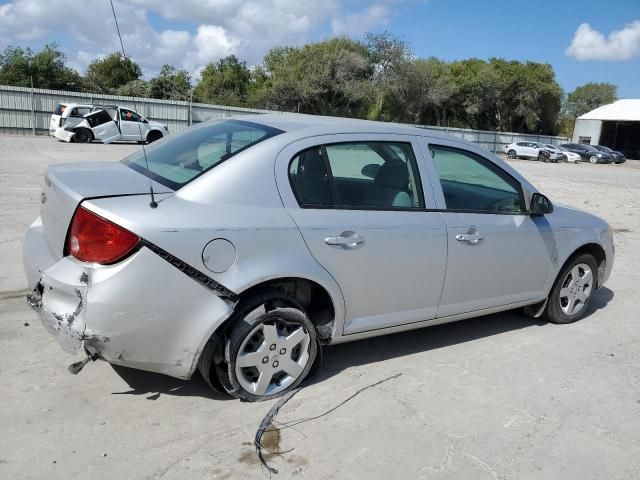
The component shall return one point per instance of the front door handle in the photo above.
(347, 239)
(472, 236)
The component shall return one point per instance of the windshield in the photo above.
(562, 149)
(186, 155)
(551, 147)
(602, 148)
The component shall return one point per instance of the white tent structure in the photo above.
(616, 125)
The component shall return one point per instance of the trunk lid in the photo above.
(66, 185)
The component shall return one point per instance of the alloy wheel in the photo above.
(272, 357)
(576, 289)
(593, 159)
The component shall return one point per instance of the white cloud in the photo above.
(360, 22)
(590, 44)
(247, 28)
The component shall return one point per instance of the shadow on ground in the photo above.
(340, 357)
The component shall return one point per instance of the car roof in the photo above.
(292, 122)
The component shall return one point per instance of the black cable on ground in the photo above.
(271, 414)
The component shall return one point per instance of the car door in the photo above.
(498, 254)
(131, 125)
(104, 128)
(359, 203)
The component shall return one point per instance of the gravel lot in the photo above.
(498, 397)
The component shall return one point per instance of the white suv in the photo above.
(105, 123)
(67, 115)
(532, 150)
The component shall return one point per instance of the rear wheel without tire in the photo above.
(83, 136)
(574, 288)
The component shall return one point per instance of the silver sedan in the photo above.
(242, 247)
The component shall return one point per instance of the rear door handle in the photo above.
(472, 236)
(347, 239)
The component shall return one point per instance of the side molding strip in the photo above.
(204, 280)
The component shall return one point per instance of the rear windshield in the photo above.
(182, 157)
(60, 109)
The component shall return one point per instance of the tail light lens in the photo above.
(92, 238)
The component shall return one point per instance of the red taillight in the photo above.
(92, 238)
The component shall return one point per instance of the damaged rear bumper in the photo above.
(141, 312)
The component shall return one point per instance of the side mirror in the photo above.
(540, 205)
(536, 147)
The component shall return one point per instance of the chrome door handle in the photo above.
(472, 236)
(469, 237)
(347, 239)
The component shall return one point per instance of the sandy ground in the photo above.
(498, 397)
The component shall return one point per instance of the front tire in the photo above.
(573, 290)
(512, 154)
(593, 159)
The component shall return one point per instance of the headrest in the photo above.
(393, 174)
(313, 163)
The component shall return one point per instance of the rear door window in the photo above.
(98, 118)
(357, 175)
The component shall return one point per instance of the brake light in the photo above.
(92, 238)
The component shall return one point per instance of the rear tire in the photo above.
(218, 363)
(593, 159)
(573, 290)
(83, 135)
(542, 157)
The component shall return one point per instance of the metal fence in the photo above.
(28, 111)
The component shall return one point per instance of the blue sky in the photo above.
(583, 40)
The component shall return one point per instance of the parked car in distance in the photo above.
(108, 124)
(67, 114)
(567, 155)
(532, 150)
(268, 237)
(618, 157)
(588, 152)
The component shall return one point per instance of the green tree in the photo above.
(432, 89)
(225, 82)
(332, 77)
(47, 68)
(134, 88)
(106, 75)
(171, 84)
(590, 96)
(391, 60)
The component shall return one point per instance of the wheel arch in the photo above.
(596, 251)
(153, 130)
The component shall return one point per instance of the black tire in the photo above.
(542, 157)
(83, 135)
(153, 136)
(262, 307)
(553, 311)
(512, 154)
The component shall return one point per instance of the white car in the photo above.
(110, 124)
(532, 150)
(569, 156)
(67, 115)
